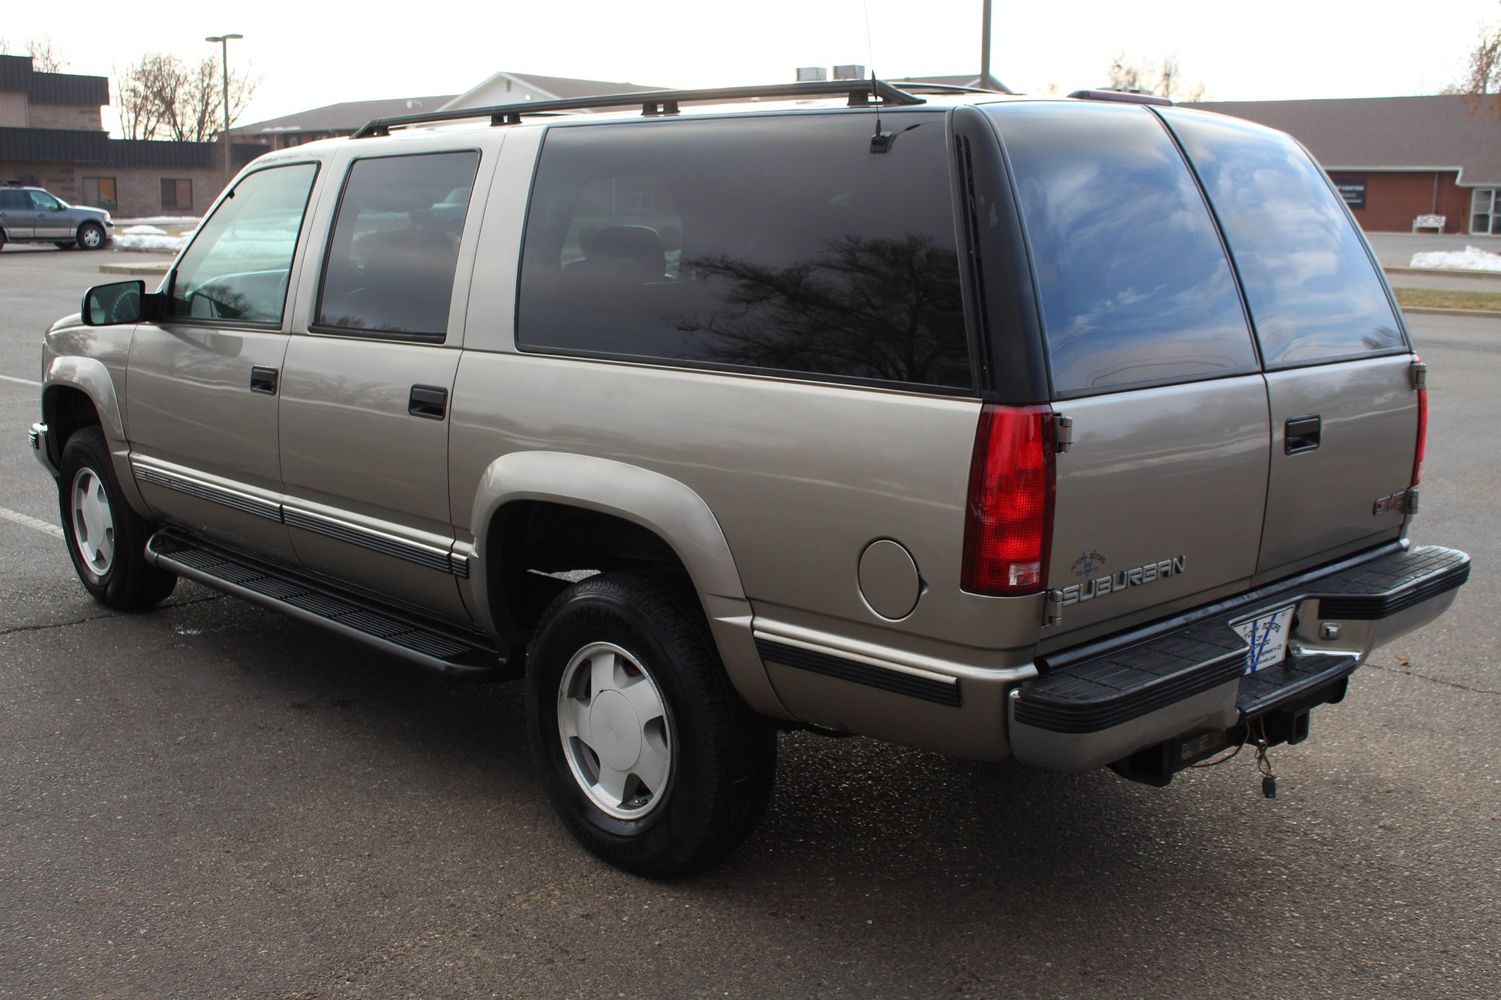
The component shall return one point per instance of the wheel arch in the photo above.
(664, 508)
(79, 392)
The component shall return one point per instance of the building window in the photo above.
(1485, 206)
(99, 192)
(177, 192)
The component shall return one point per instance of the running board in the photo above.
(427, 643)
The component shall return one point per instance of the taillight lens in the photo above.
(1008, 526)
(1422, 449)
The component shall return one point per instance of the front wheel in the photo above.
(91, 236)
(106, 539)
(649, 756)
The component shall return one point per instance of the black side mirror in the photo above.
(114, 304)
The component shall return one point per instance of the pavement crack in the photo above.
(17, 629)
(1431, 680)
(51, 625)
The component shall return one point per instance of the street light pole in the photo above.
(223, 41)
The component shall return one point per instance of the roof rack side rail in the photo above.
(655, 102)
(1121, 96)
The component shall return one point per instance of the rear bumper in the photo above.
(1178, 691)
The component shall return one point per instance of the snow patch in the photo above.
(141, 231)
(150, 242)
(1468, 259)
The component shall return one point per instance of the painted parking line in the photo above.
(27, 521)
(21, 381)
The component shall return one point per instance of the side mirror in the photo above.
(117, 303)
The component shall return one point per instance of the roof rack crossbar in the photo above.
(654, 102)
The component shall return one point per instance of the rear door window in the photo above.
(1132, 277)
(395, 246)
(775, 244)
(1313, 291)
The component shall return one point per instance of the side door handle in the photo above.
(1302, 435)
(430, 401)
(263, 380)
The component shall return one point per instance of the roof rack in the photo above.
(655, 103)
(944, 88)
(1122, 96)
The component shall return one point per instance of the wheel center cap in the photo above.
(616, 730)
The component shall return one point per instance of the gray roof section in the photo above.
(346, 117)
(1385, 133)
(566, 87)
(514, 88)
(18, 74)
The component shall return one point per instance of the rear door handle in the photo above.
(430, 401)
(1303, 434)
(263, 380)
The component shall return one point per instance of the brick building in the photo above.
(1397, 158)
(52, 136)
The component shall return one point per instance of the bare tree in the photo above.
(161, 97)
(45, 58)
(1482, 77)
(1165, 80)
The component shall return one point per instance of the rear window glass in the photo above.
(1313, 291)
(395, 246)
(1133, 280)
(779, 244)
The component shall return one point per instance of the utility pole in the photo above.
(985, 45)
(223, 41)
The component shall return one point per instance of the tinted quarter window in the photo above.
(1313, 291)
(777, 244)
(238, 264)
(395, 245)
(1133, 281)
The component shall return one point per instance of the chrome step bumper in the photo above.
(1183, 685)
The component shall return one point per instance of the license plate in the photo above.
(1267, 637)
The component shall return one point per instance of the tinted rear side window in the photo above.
(778, 244)
(1133, 280)
(1313, 291)
(395, 245)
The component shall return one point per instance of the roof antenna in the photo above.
(881, 141)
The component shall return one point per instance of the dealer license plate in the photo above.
(1267, 637)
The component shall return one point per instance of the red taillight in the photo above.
(1008, 526)
(1422, 449)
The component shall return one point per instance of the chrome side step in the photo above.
(446, 649)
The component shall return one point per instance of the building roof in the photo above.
(17, 74)
(491, 91)
(1385, 133)
(346, 117)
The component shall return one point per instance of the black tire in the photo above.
(125, 581)
(91, 236)
(2, 239)
(723, 758)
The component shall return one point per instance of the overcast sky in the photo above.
(310, 54)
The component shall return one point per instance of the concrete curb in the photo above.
(1445, 272)
(144, 267)
(1431, 311)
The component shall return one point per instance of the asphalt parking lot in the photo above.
(213, 800)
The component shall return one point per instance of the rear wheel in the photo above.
(649, 756)
(91, 236)
(106, 538)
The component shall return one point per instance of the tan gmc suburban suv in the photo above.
(1082, 431)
